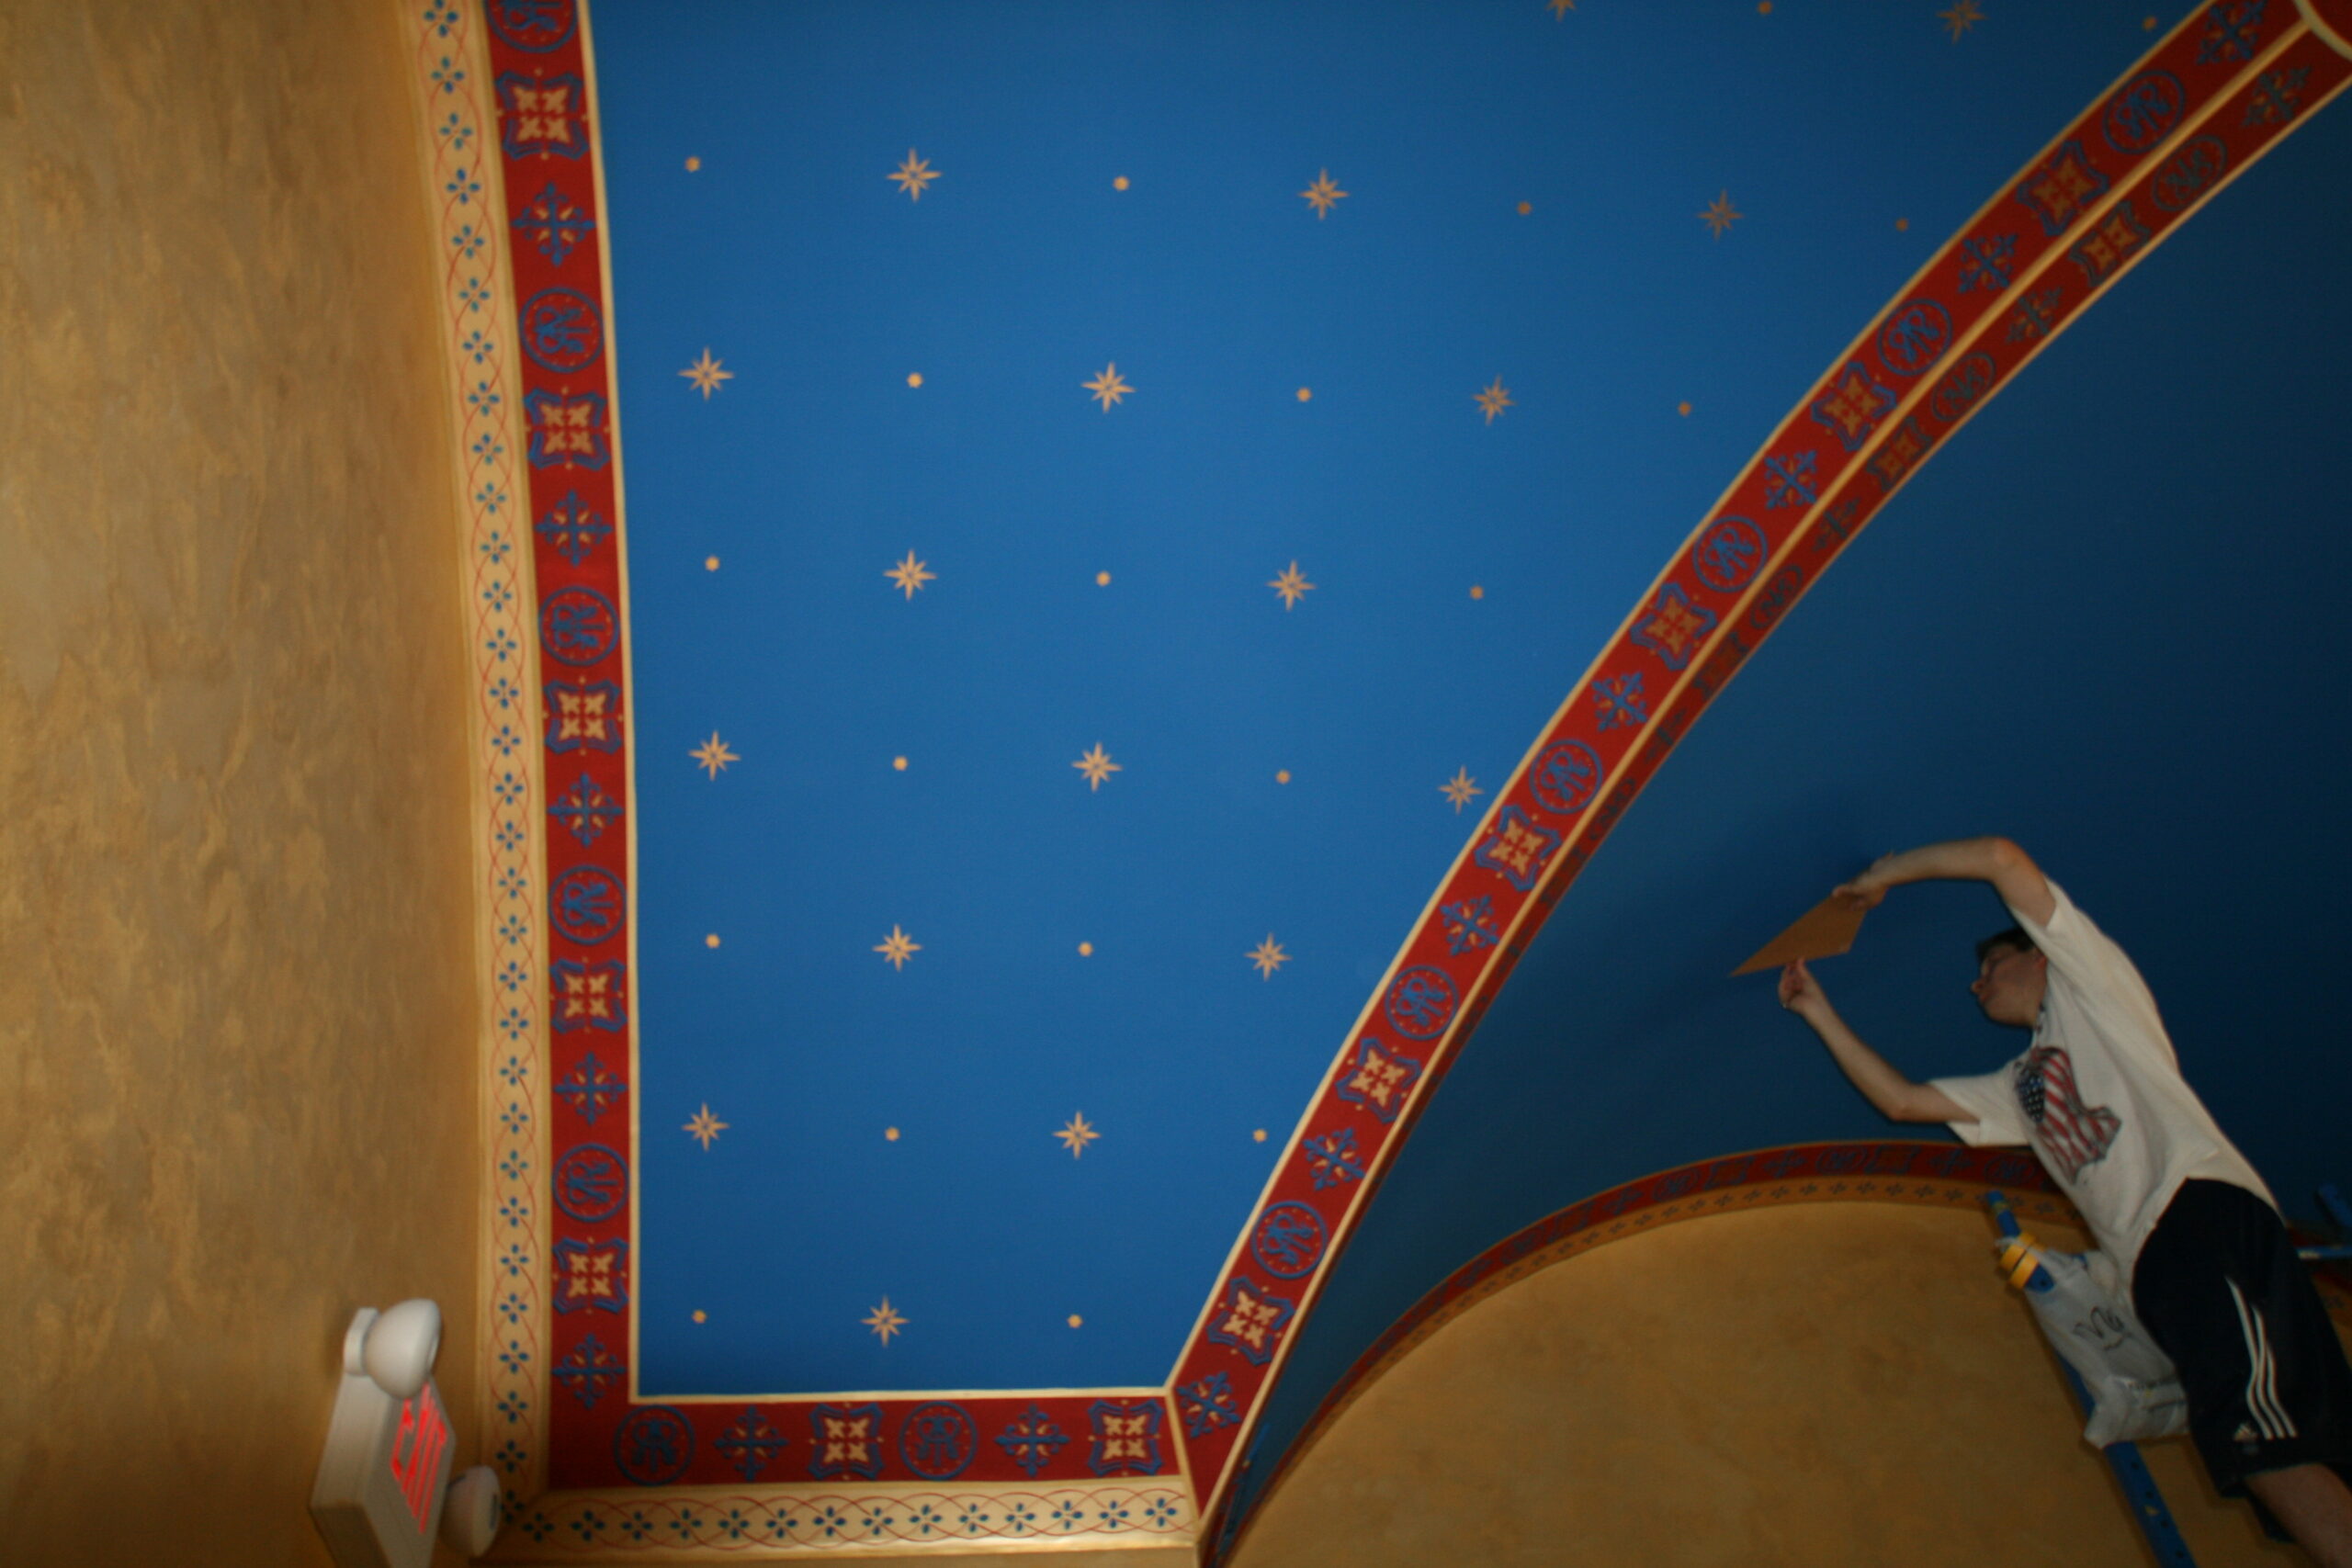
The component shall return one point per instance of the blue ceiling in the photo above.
(2093, 624)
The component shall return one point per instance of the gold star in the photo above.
(1720, 215)
(1494, 399)
(885, 1321)
(1108, 386)
(1560, 9)
(706, 374)
(1077, 1135)
(898, 948)
(706, 1126)
(1322, 194)
(713, 755)
(1963, 16)
(1097, 766)
(913, 174)
(909, 575)
(1268, 956)
(1459, 789)
(1292, 585)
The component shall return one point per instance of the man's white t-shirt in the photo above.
(2099, 1094)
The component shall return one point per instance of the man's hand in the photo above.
(1868, 890)
(1800, 992)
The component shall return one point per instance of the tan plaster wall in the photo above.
(237, 1058)
(1818, 1384)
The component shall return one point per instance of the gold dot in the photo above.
(1282, 776)
(1259, 1135)
(914, 379)
(1525, 208)
(1120, 182)
(891, 1133)
(711, 941)
(1901, 224)
(1102, 580)
(701, 1316)
(1476, 591)
(2148, 26)
(1086, 950)
(900, 763)
(1076, 1321)
(1305, 393)
(710, 563)
(1682, 409)
(692, 165)
(1763, 7)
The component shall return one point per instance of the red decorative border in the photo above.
(2225, 85)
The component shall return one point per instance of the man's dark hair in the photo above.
(2014, 937)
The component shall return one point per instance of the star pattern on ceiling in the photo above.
(1963, 15)
(1109, 386)
(706, 374)
(1323, 195)
(1097, 766)
(1460, 789)
(1077, 1135)
(1269, 956)
(897, 947)
(914, 175)
(713, 756)
(1560, 9)
(1292, 585)
(910, 574)
(705, 1128)
(1720, 215)
(885, 1321)
(1496, 399)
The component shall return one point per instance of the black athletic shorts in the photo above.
(2220, 1287)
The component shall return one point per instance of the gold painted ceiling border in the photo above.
(2228, 82)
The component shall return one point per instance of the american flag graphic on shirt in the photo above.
(2072, 1134)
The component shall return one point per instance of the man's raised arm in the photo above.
(1897, 1097)
(2009, 868)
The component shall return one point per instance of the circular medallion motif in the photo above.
(578, 626)
(1565, 777)
(2142, 113)
(937, 1441)
(586, 904)
(1969, 379)
(654, 1446)
(1421, 1002)
(1288, 1240)
(591, 1183)
(535, 27)
(561, 330)
(1914, 337)
(1728, 554)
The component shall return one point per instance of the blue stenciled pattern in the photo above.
(1332, 1158)
(1031, 1438)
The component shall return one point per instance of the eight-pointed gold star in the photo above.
(898, 948)
(706, 374)
(1560, 9)
(1291, 585)
(1097, 766)
(1496, 399)
(1269, 956)
(1460, 788)
(705, 1126)
(913, 174)
(1108, 386)
(714, 755)
(1720, 215)
(885, 1321)
(1963, 16)
(909, 575)
(1322, 194)
(1077, 1135)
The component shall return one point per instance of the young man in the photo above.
(2100, 1095)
